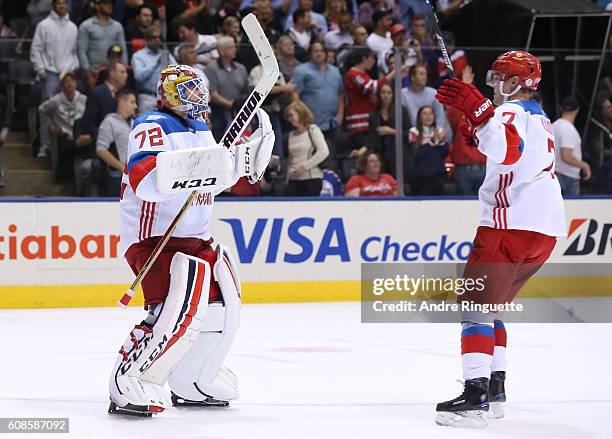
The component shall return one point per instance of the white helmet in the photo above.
(181, 88)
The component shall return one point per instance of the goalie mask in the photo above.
(182, 89)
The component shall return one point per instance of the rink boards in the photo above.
(62, 253)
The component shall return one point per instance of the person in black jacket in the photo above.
(382, 132)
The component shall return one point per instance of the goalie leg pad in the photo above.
(200, 373)
(154, 348)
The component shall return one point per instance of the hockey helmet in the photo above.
(181, 88)
(515, 63)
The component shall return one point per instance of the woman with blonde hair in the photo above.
(333, 11)
(307, 149)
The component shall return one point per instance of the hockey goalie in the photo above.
(192, 292)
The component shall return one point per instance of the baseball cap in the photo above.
(66, 73)
(115, 49)
(380, 13)
(397, 28)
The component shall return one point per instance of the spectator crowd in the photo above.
(97, 62)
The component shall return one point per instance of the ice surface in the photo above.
(312, 371)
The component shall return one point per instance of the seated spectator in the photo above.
(54, 48)
(112, 141)
(58, 115)
(228, 81)
(285, 55)
(320, 88)
(205, 45)
(334, 10)
(307, 149)
(265, 16)
(380, 39)
(341, 36)
(134, 33)
(302, 32)
(409, 48)
(370, 180)
(115, 55)
(359, 34)
(148, 64)
(231, 28)
(382, 130)
(368, 8)
(568, 149)
(189, 57)
(96, 35)
(430, 148)
(5, 30)
(469, 162)
(598, 145)
(419, 34)
(229, 8)
(196, 10)
(3, 135)
(361, 93)
(100, 102)
(319, 23)
(419, 95)
(458, 60)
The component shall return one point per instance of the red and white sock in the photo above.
(499, 351)
(477, 341)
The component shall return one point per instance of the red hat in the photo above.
(397, 28)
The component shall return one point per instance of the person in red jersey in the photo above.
(370, 180)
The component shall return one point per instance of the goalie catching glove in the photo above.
(466, 98)
(216, 168)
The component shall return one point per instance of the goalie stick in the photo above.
(266, 57)
(440, 38)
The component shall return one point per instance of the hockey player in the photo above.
(521, 215)
(192, 292)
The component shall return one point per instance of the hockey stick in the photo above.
(441, 43)
(264, 52)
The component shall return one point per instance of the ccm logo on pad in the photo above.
(482, 108)
(192, 184)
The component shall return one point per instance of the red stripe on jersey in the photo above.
(141, 170)
(513, 142)
(482, 344)
(150, 229)
(142, 214)
(500, 337)
(497, 202)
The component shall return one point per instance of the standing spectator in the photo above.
(320, 87)
(380, 39)
(341, 36)
(59, 114)
(370, 180)
(334, 10)
(5, 30)
(285, 55)
(96, 35)
(205, 45)
(367, 10)
(134, 33)
(179, 10)
(430, 148)
(265, 15)
(189, 57)
(3, 135)
(302, 33)
(101, 101)
(419, 95)
(360, 39)
(361, 91)
(114, 55)
(458, 59)
(230, 8)
(307, 150)
(148, 64)
(318, 21)
(568, 149)
(112, 142)
(409, 48)
(37, 10)
(228, 81)
(54, 48)
(382, 130)
(470, 163)
(429, 48)
(231, 28)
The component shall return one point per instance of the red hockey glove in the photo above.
(466, 98)
(469, 132)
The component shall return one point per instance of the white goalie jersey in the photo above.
(145, 211)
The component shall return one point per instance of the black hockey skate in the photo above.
(467, 410)
(497, 395)
(141, 411)
(178, 401)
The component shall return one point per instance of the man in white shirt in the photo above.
(340, 37)
(205, 45)
(568, 151)
(300, 31)
(380, 40)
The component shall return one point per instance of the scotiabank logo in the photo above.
(592, 238)
(55, 245)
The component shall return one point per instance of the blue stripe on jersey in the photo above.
(521, 146)
(498, 324)
(139, 156)
(478, 330)
(531, 107)
(168, 123)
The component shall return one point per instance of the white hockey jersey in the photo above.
(520, 190)
(145, 211)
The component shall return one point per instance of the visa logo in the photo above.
(333, 243)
